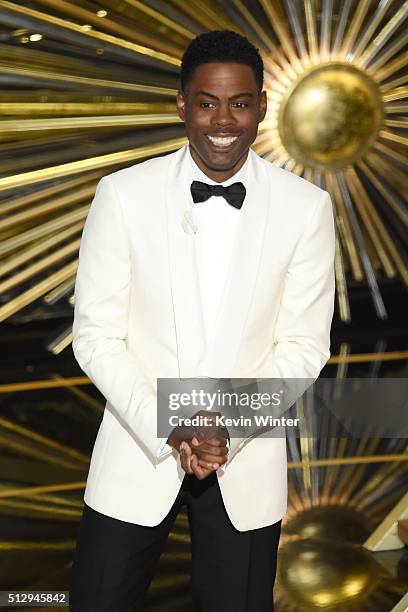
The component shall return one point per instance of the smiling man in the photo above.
(208, 262)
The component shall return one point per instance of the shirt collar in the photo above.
(198, 175)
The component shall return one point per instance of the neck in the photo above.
(219, 176)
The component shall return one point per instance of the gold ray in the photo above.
(345, 227)
(63, 109)
(391, 49)
(370, 28)
(341, 284)
(298, 170)
(101, 161)
(296, 499)
(92, 34)
(340, 461)
(367, 357)
(379, 185)
(282, 159)
(63, 343)
(390, 152)
(354, 28)
(395, 108)
(389, 172)
(24, 491)
(384, 505)
(158, 16)
(41, 194)
(282, 33)
(43, 440)
(361, 244)
(362, 498)
(44, 384)
(86, 81)
(383, 474)
(310, 15)
(341, 27)
(201, 13)
(255, 25)
(326, 25)
(398, 123)
(349, 482)
(382, 37)
(398, 93)
(294, 21)
(384, 72)
(32, 294)
(39, 266)
(43, 229)
(32, 449)
(393, 137)
(394, 83)
(10, 126)
(375, 227)
(47, 61)
(52, 205)
(57, 293)
(127, 33)
(279, 65)
(56, 500)
(28, 254)
(29, 545)
(44, 509)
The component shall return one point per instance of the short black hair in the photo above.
(224, 47)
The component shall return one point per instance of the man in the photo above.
(181, 278)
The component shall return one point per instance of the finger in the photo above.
(210, 443)
(199, 471)
(185, 454)
(209, 458)
(212, 452)
(210, 465)
(217, 441)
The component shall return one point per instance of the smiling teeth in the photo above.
(223, 141)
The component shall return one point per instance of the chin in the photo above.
(222, 164)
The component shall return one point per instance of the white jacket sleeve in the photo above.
(302, 334)
(102, 295)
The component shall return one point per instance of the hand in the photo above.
(189, 462)
(202, 453)
(210, 451)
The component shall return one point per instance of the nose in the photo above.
(223, 116)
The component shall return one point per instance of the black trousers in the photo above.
(232, 571)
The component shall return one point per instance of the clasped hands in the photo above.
(202, 450)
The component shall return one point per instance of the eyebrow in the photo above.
(244, 94)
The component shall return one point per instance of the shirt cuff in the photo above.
(165, 449)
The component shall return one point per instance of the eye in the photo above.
(207, 105)
(240, 105)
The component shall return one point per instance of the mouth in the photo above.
(222, 142)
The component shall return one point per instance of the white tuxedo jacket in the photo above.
(138, 317)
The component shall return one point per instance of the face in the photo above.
(221, 107)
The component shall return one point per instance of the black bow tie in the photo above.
(234, 194)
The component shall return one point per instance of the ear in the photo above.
(181, 105)
(263, 105)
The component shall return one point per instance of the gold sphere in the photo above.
(320, 574)
(330, 115)
(329, 523)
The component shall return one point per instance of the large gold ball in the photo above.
(329, 523)
(322, 574)
(330, 115)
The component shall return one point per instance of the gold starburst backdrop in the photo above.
(89, 87)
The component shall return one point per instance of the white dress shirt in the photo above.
(217, 223)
